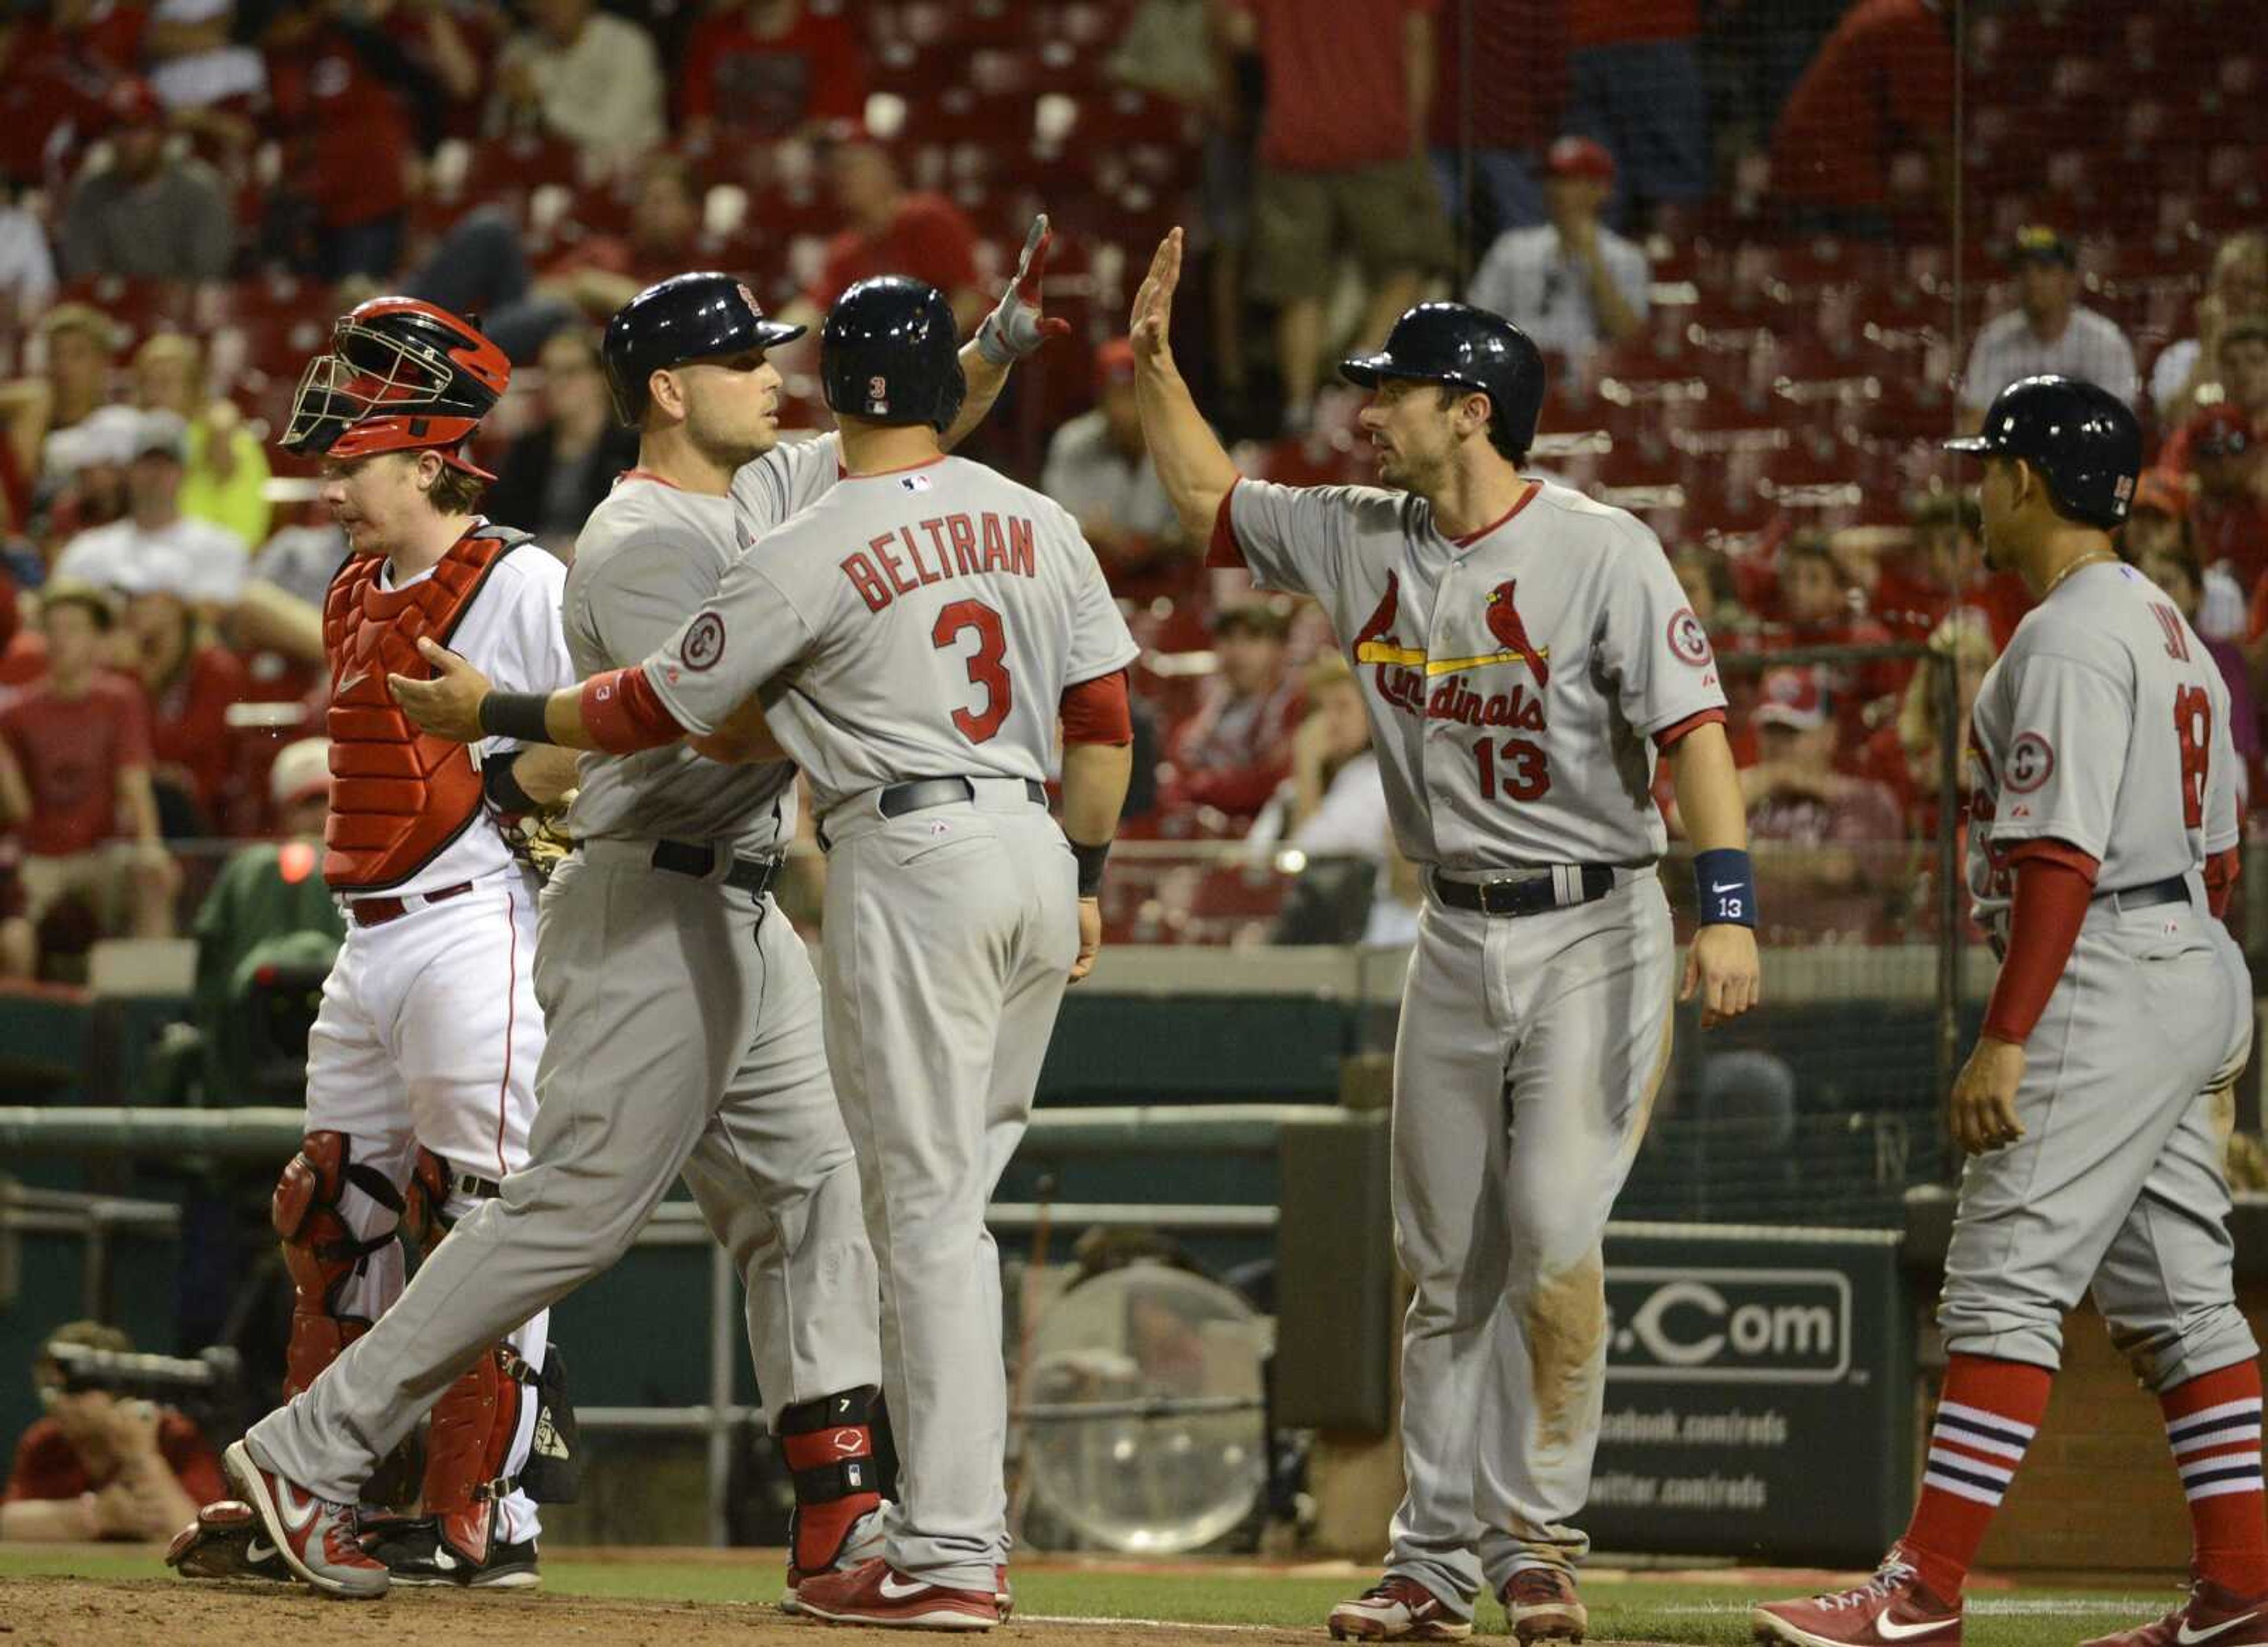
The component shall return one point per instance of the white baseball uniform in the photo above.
(1518, 682)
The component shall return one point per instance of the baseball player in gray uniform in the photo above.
(912, 641)
(658, 956)
(2102, 846)
(1524, 655)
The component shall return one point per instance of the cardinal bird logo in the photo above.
(1503, 622)
(1375, 643)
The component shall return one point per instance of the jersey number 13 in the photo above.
(1513, 769)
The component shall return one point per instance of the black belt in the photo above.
(751, 875)
(923, 793)
(2174, 890)
(1531, 895)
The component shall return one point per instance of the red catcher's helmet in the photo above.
(400, 376)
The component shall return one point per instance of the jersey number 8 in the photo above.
(2193, 727)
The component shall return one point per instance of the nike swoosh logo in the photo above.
(445, 1562)
(894, 1591)
(1725, 885)
(297, 1514)
(1891, 1632)
(346, 686)
(2189, 1637)
(257, 1552)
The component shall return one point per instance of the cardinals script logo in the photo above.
(1376, 644)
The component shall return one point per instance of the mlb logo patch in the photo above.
(914, 483)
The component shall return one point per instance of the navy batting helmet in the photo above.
(1472, 348)
(2082, 438)
(687, 316)
(888, 352)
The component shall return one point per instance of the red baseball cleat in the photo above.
(1894, 1608)
(1397, 1609)
(1543, 1606)
(316, 1537)
(2213, 1614)
(875, 1592)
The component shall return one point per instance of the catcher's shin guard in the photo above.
(468, 1447)
(829, 1446)
(321, 1250)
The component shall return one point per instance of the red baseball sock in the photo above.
(1986, 1417)
(2212, 1423)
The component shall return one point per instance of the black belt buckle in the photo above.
(751, 875)
(920, 794)
(2173, 889)
(1532, 895)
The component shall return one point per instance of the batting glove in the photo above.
(1016, 328)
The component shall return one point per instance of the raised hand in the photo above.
(1019, 324)
(1154, 301)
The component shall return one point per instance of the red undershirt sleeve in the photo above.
(1096, 711)
(2220, 872)
(1668, 736)
(2054, 882)
(624, 714)
(1223, 552)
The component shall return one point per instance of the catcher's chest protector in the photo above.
(398, 796)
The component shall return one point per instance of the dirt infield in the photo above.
(77, 1612)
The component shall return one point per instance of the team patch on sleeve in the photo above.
(2031, 762)
(1688, 639)
(704, 641)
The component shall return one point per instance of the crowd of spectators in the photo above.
(195, 187)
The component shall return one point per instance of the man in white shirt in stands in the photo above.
(2048, 332)
(156, 549)
(1573, 285)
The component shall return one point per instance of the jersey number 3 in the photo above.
(2193, 727)
(987, 664)
(1516, 770)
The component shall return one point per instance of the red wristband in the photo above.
(624, 714)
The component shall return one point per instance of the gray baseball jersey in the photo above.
(1514, 679)
(786, 480)
(913, 624)
(650, 554)
(2104, 724)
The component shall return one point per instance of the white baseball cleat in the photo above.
(316, 1537)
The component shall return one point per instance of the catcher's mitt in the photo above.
(540, 839)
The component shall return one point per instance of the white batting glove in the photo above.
(1016, 326)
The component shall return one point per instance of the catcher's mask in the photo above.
(400, 376)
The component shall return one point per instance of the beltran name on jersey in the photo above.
(958, 546)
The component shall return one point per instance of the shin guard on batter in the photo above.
(829, 1446)
(321, 1250)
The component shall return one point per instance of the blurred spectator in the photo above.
(155, 547)
(85, 469)
(1707, 580)
(769, 69)
(225, 480)
(480, 267)
(340, 91)
(893, 232)
(2048, 331)
(2176, 571)
(267, 896)
(2158, 521)
(1818, 833)
(79, 743)
(2241, 352)
(301, 562)
(1353, 886)
(99, 1467)
(1499, 140)
(190, 681)
(555, 474)
(1343, 166)
(1573, 283)
(55, 63)
(1234, 749)
(2237, 287)
(1818, 606)
(1634, 68)
(78, 342)
(1882, 85)
(1906, 756)
(1099, 468)
(588, 76)
(197, 62)
(1944, 575)
(148, 215)
(27, 268)
(2229, 516)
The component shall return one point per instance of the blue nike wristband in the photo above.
(1725, 889)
